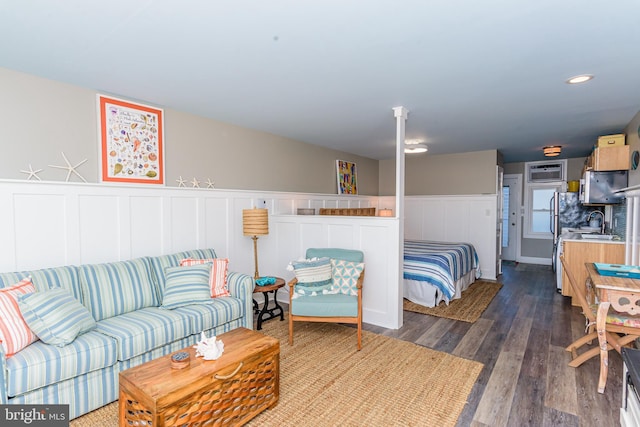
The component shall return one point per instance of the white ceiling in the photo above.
(474, 75)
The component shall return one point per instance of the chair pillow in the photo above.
(345, 276)
(186, 285)
(55, 316)
(314, 275)
(218, 276)
(14, 331)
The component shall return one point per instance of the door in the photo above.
(512, 199)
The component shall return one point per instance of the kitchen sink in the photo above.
(599, 237)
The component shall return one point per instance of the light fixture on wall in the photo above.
(386, 212)
(552, 150)
(414, 146)
(255, 222)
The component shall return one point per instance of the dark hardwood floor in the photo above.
(521, 340)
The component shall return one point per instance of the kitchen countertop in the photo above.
(577, 237)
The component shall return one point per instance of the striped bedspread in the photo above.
(439, 263)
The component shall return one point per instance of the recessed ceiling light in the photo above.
(579, 79)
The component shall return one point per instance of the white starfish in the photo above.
(180, 181)
(70, 169)
(32, 173)
(210, 184)
(195, 183)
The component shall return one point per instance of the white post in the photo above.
(400, 113)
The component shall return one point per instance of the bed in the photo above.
(438, 271)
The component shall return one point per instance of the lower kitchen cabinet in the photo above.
(578, 252)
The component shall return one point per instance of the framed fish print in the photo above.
(347, 177)
(131, 142)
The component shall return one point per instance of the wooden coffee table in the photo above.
(243, 382)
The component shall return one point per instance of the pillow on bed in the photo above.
(345, 276)
(314, 275)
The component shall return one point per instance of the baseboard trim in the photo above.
(534, 260)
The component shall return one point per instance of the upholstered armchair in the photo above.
(313, 299)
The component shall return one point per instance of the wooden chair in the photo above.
(615, 325)
(333, 308)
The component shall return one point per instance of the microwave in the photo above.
(600, 187)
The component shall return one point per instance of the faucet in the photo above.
(601, 219)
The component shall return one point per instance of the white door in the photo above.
(512, 199)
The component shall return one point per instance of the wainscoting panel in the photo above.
(376, 237)
(100, 228)
(185, 223)
(217, 232)
(40, 228)
(47, 224)
(456, 219)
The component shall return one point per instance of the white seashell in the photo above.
(209, 348)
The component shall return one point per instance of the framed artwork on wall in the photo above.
(131, 142)
(347, 177)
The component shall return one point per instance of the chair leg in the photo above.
(359, 336)
(581, 341)
(603, 308)
(581, 358)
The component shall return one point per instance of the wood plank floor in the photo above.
(521, 340)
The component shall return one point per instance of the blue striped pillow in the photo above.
(314, 275)
(55, 316)
(186, 285)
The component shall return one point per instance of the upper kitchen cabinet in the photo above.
(609, 158)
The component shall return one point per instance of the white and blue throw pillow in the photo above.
(55, 316)
(345, 276)
(186, 285)
(314, 275)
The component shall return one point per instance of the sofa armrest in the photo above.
(241, 286)
(3, 378)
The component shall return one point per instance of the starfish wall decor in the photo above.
(70, 169)
(32, 173)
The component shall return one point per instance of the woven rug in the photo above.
(473, 303)
(325, 381)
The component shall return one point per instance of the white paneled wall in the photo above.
(469, 219)
(46, 224)
(52, 224)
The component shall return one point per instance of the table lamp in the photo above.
(255, 222)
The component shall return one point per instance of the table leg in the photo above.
(601, 321)
(272, 312)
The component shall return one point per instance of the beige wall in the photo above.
(42, 118)
(463, 173)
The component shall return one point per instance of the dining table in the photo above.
(621, 294)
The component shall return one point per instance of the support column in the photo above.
(400, 113)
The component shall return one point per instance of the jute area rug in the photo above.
(468, 308)
(325, 381)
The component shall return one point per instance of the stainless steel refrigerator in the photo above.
(566, 212)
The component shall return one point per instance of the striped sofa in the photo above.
(123, 297)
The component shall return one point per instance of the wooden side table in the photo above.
(268, 313)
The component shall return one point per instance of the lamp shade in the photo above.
(255, 222)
